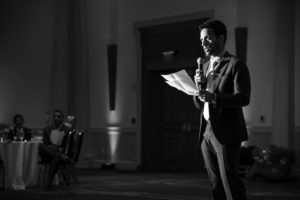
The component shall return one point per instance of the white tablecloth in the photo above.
(21, 164)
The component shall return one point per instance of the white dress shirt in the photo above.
(213, 63)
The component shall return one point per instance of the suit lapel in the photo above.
(220, 70)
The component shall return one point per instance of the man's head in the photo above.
(213, 35)
(58, 117)
(71, 121)
(18, 120)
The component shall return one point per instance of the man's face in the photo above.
(212, 45)
(57, 118)
(19, 122)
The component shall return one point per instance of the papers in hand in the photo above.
(181, 81)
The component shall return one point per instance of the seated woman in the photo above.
(19, 132)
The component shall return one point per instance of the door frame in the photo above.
(146, 23)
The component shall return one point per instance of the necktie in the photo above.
(213, 64)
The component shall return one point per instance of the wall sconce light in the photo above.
(112, 74)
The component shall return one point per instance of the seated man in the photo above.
(19, 132)
(55, 139)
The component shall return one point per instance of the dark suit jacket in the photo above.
(13, 132)
(232, 86)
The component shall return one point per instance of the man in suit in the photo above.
(19, 132)
(55, 140)
(222, 123)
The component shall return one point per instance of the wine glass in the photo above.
(1, 135)
(21, 135)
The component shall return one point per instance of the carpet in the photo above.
(113, 185)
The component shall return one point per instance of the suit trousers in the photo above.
(49, 154)
(222, 163)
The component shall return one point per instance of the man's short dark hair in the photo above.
(18, 116)
(217, 26)
(59, 111)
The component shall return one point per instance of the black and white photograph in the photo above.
(149, 99)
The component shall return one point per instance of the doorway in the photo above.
(170, 121)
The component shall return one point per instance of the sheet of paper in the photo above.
(181, 81)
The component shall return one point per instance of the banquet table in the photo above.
(20, 163)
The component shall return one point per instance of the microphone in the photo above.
(202, 83)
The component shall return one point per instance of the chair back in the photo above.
(78, 145)
(75, 144)
(2, 174)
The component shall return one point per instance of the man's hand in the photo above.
(206, 96)
(198, 78)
